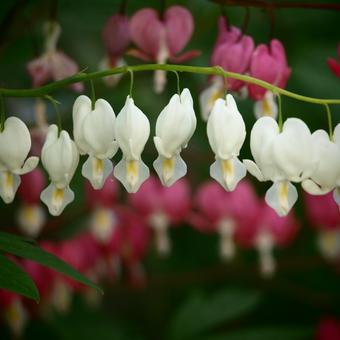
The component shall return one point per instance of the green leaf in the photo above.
(201, 313)
(266, 333)
(14, 279)
(15, 245)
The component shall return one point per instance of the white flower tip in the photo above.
(329, 244)
(281, 196)
(97, 171)
(31, 219)
(228, 172)
(56, 199)
(9, 184)
(159, 81)
(170, 170)
(131, 174)
(30, 164)
(102, 225)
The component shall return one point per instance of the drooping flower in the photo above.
(224, 212)
(226, 133)
(132, 130)
(31, 216)
(94, 134)
(161, 39)
(266, 107)
(103, 218)
(116, 38)
(15, 144)
(162, 207)
(324, 215)
(174, 127)
(60, 158)
(282, 157)
(326, 174)
(233, 52)
(267, 231)
(53, 64)
(334, 64)
(268, 63)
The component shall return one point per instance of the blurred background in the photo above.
(189, 293)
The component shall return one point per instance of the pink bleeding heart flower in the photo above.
(224, 212)
(268, 63)
(161, 207)
(103, 218)
(334, 64)
(116, 37)
(53, 64)
(31, 216)
(233, 52)
(267, 231)
(160, 39)
(130, 242)
(324, 215)
(328, 329)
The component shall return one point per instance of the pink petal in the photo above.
(226, 35)
(179, 26)
(105, 197)
(145, 30)
(40, 71)
(138, 54)
(185, 56)
(116, 35)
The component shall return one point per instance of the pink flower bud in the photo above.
(268, 63)
(232, 52)
(31, 186)
(116, 37)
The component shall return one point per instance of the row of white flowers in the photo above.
(282, 156)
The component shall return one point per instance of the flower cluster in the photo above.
(236, 52)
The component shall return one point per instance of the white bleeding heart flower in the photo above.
(132, 130)
(226, 133)
(266, 107)
(60, 158)
(174, 127)
(281, 157)
(94, 134)
(326, 175)
(15, 144)
(209, 95)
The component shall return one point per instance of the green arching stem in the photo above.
(2, 113)
(131, 80)
(215, 70)
(330, 123)
(55, 104)
(93, 95)
(178, 85)
(280, 120)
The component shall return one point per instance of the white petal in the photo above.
(15, 143)
(208, 97)
(31, 219)
(9, 184)
(131, 173)
(97, 171)
(98, 129)
(336, 135)
(312, 188)
(81, 108)
(170, 170)
(253, 169)
(176, 124)
(281, 196)
(293, 151)
(228, 172)
(226, 129)
(30, 164)
(56, 199)
(132, 130)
